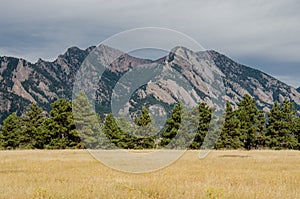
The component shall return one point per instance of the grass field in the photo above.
(222, 174)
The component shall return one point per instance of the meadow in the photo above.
(222, 174)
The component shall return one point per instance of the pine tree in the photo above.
(144, 124)
(10, 134)
(296, 131)
(144, 133)
(61, 128)
(32, 135)
(128, 130)
(138, 139)
(280, 127)
(172, 125)
(114, 133)
(205, 117)
(289, 116)
(86, 120)
(250, 122)
(230, 134)
(274, 126)
(261, 126)
(144, 118)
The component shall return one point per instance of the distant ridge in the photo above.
(43, 82)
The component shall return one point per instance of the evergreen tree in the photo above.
(205, 117)
(261, 126)
(230, 134)
(144, 118)
(188, 129)
(144, 132)
(172, 125)
(114, 133)
(280, 127)
(144, 124)
(87, 122)
(251, 123)
(61, 128)
(122, 138)
(289, 116)
(10, 134)
(128, 130)
(32, 135)
(274, 126)
(296, 131)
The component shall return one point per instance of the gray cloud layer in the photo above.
(263, 34)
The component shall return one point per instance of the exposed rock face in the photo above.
(264, 88)
(205, 70)
(22, 83)
(207, 76)
(20, 91)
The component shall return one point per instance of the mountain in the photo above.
(43, 82)
(212, 77)
(195, 76)
(263, 87)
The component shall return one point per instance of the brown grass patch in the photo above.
(222, 174)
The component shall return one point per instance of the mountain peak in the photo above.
(44, 82)
(74, 50)
(180, 48)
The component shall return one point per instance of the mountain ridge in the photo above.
(43, 82)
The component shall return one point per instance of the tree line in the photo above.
(75, 125)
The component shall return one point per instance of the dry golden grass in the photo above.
(222, 174)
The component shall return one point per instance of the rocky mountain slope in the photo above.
(22, 82)
(206, 76)
(264, 88)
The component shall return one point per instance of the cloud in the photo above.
(1, 52)
(290, 80)
(241, 29)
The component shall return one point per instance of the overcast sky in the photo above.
(262, 34)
